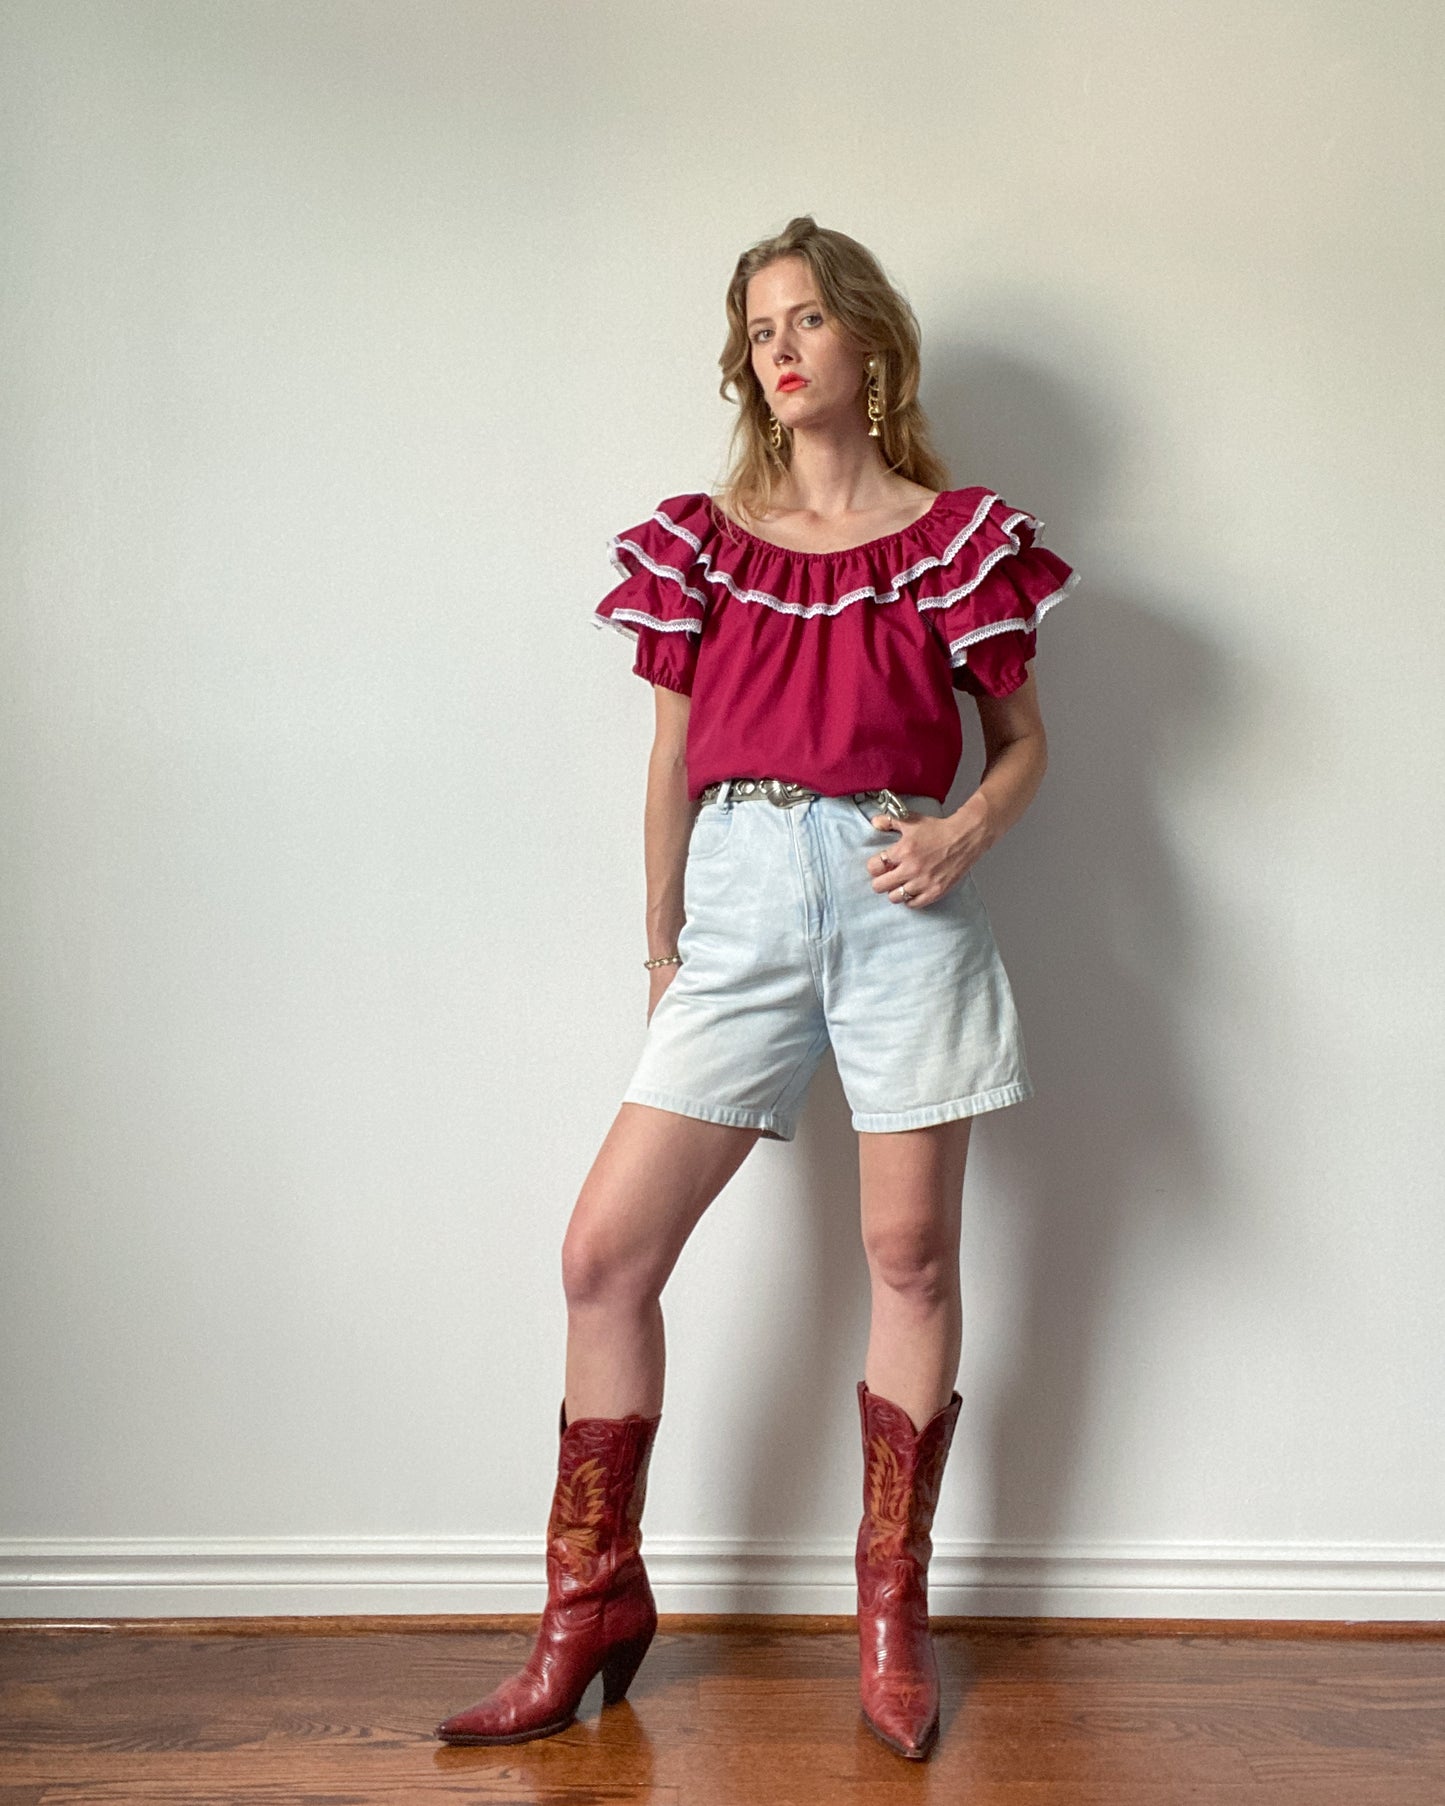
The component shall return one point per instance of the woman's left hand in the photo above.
(931, 854)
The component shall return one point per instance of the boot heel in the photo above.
(620, 1666)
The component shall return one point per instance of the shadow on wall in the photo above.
(1096, 926)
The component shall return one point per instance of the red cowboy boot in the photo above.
(599, 1611)
(902, 1469)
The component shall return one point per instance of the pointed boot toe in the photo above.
(906, 1725)
(600, 1616)
(517, 1710)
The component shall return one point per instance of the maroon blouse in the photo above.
(833, 669)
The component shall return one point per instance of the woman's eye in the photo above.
(764, 332)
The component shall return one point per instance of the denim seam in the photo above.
(820, 1039)
(722, 845)
(686, 1106)
(1001, 1095)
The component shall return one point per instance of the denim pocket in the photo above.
(866, 812)
(710, 831)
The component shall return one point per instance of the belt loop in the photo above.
(722, 796)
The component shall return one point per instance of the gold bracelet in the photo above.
(667, 959)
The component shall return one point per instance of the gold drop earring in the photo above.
(875, 404)
(775, 431)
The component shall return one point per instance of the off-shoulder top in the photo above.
(833, 669)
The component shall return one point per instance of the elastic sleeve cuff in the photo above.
(669, 659)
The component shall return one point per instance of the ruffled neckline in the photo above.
(943, 555)
(692, 552)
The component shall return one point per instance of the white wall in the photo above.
(339, 339)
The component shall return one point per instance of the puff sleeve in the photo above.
(988, 613)
(660, 602)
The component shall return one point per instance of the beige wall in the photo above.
(339, 339)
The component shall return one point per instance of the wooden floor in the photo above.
(762, 1711)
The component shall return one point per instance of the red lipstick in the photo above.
(791, 381)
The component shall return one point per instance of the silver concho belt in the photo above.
(783, 791)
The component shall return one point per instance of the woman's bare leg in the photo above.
(911, 1189)
(654, 1176)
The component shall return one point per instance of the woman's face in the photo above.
(809, 370)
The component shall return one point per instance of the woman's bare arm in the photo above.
(667, 824)
(1016, 755)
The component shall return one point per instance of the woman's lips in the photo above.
(792, 382)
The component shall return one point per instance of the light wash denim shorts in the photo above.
(787, 948)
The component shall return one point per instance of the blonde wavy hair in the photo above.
(856, 294)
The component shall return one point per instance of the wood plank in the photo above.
(798, 1624)
(865, 1793)
(755, 1714)
(435, 1791)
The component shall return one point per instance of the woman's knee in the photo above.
(912, 1260)
(601, 1264)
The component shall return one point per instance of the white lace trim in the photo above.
(621, 616)
(891, 593)
(618, 545)
(957, 649)
(964, 589)
(667, 521)
(895, 583)
(868, 592)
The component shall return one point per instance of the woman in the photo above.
(804, 634)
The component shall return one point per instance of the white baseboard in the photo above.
(152, 1578)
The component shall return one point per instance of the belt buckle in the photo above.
(783, 791)
(894, 805)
